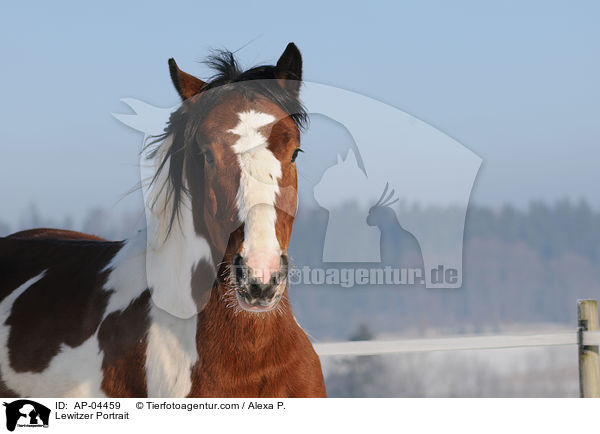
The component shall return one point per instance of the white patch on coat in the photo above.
(127, 278)
(73, 372)
(258, 190)
(171, 256)
(171, 353)
(171, 341)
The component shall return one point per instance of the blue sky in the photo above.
(516, 82)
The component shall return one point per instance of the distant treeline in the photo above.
(550, 230)
(519, 267)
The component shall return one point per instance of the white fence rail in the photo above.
(489, 342)
(586, 338)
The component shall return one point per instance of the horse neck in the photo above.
(221, 324)
(227, 329)
(179, 260)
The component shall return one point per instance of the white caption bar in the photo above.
(309, 415)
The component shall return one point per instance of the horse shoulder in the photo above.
(307, 379)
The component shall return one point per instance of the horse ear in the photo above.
(289, 69)
(187, 85)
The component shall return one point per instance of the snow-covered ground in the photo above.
(518, 372)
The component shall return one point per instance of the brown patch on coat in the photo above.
(213, 187)
(122, 338)
(64, 307)
(54, 234)
(284, 139)
(203, 279)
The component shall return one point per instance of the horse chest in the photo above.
(238, 377)
(171, 354)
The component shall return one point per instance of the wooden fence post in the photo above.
(589, 367)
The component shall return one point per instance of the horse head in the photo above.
(228, 155)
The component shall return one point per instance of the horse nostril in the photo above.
(255, 290)
(241, 273)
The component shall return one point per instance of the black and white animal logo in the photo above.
(26, 413)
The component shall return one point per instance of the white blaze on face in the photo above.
(260, 172)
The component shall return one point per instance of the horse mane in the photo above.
(169, 155)
(228, 71)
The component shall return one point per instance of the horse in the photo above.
(195, 305)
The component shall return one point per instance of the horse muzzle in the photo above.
(259, 290)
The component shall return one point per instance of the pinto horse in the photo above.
(196, 305)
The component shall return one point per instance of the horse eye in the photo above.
(209, 158)
(295, 154)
